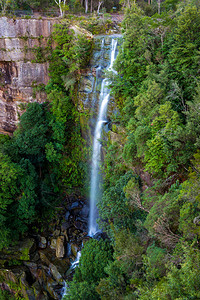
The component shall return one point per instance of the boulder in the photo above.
(74, 249)
(53, 244)
(80, 225)
(50, 288)
(32, 267)
(42, 242)
(67, 215)
(75, 205)
(44, 257)
(196, 220)
(60, 249)
(65, 226)
(24, 250)
(56, 275)
(56, 233)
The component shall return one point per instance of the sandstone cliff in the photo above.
(24, 46)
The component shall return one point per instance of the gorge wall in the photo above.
(24, 46)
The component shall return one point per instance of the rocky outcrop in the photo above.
(37, 266)
(23, 65)
(60, 249)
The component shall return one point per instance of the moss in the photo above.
(25, 254)
(25, 37)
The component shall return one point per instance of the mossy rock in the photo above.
(22, 251)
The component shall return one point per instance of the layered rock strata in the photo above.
(24, 47)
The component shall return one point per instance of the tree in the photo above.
(5, 5)
(95, 256)
(182, 280)
(81, 291)
(10, 174)
(62, 6)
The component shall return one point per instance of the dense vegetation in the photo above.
(45, 158)
(150, 206)
(85, 6)
(8, 6)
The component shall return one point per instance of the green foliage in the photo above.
(151, 185)
(124, 271)
(70, 54)
(95, 255)
(73, 52)
(154, 263)
(81, 291)
(46, 155)
(7, 5)
(4, 295)
(184, 53)
(114, 205)
(181, 282)
(189, 197)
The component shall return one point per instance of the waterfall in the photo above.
(96, 156)
(98, 85)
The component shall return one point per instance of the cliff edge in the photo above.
(24, 49)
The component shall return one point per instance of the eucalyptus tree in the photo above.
(62, 6)
(5, 5)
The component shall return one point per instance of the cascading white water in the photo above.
(96, 157)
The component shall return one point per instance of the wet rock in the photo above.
(50, 288)
(74, 249)
(68, 249)
(27, 292)
(53, 243)
(75, 205)
(65, 226)
(56, 275)
(44, 257)
(37, 290)
(60, 249)
(48, 257)
(35, 257)
(42, 242)
(67, 215)
(84, 213)
(196, 220)
(80, 225)
(73, 232)
(32, 267)
(71, 218)
(23, 251)
(64, 233)
(56, 233)
(100, 235)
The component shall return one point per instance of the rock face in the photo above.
(60, 249)
(21, 68)
(37, 266)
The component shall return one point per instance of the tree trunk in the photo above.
(99, 5)
(159, 7)
(64, 2)
(91, 6)
(86, 6)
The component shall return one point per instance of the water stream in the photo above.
(97, 99)
(96, 156)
